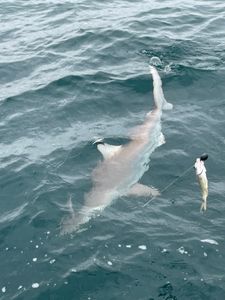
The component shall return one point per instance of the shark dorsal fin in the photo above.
(108, 150)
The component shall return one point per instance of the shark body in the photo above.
(122, 166)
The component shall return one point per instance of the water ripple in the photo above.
(13, 214)
(72, 72)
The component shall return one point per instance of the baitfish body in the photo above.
(202, 180)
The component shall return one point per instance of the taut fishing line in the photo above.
(203, 157)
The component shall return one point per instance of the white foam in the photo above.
(20, 287)
(52, 261)
(109, 263)
(155, 61)
(182, 251)
(164, 250)
(4, 289)
(167, 68)
(35, 285)
(205, 254)
(142, 247)
(128, 246)
(34, 259)
(210, 241)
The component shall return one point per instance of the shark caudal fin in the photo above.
(72, 223)
(73, 220)
(160, 101)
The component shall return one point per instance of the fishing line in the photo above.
(203, 157)
(170, 184)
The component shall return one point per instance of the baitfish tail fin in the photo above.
(204, 201)
(203, 206)
(160, 101)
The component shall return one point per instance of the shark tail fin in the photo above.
(73, 220)
(72, 223)
(160, 101)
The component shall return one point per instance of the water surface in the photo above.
(71, 72)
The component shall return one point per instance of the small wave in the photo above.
(210, 241)
(13, 214)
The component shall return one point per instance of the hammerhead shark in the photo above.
(122, 166)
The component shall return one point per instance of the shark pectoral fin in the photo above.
(108, 150)
(139, 189)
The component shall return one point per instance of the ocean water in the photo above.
(73, 71)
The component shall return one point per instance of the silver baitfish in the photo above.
(202, 179)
